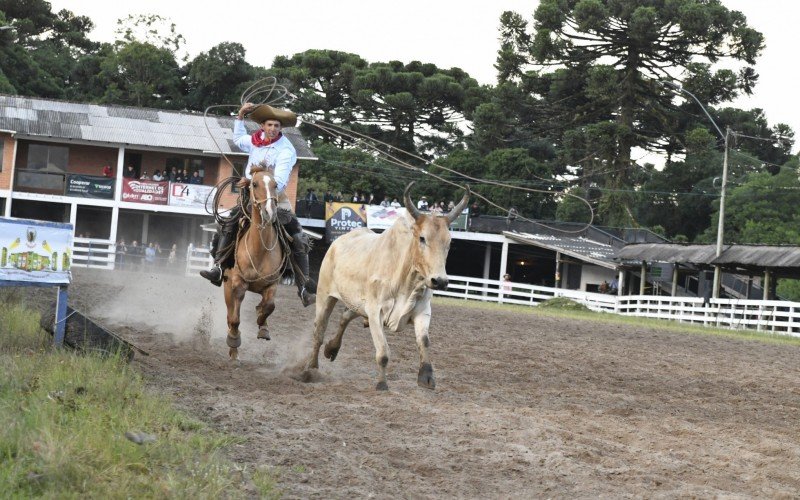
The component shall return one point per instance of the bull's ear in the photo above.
(412, 209)
(453, 215)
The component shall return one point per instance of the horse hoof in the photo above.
(331, 352)
(382, 386)
(233, 342)
(425, 377)
(233, 353)
(263, 333)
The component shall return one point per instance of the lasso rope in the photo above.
(268, 91)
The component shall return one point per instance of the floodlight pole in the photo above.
(721, 222)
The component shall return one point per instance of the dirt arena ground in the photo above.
(526, 405)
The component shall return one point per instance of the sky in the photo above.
(448, 33)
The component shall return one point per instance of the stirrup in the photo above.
(306, 297)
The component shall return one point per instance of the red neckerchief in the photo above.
(259, 141)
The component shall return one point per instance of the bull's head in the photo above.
(432, 240)
(264, 194)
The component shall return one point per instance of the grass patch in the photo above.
(64, 419)
(610, 318)
(563, 304)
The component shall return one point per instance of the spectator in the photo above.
(371, 200)
(512, 216)
(120, 252)
(395, 203)
(107, 172)
(179, 176)
(144, 176)
(134, 251)
(157, 176)
(507, 285)
(474, 209)
(328, 196)
(451, 206)
(150, 255)
(311, 196)
(613, 288)
(339, 196)
(129, 173)
(437, 209)
(356, 197)
(173, 254)
(422, 204)
(386, 203)
(186, 176)
(195, 178)
(173, 175)
(603, 287)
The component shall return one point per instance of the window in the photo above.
(190, 164)
(47, 158)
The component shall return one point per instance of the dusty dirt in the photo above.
(525, 405)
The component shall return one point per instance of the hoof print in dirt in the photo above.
(382, 386)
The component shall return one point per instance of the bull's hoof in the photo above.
(331, 352)
(425, 377)
(382, 386)
(233, 342)
(263, 333)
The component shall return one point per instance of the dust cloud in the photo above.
(192, 312)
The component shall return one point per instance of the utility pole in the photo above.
(721, 222)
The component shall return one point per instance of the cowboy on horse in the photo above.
(267, 147)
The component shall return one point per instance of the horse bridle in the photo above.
(258, 203)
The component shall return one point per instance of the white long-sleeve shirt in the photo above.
(279, 155)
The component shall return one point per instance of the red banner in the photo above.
(141, 191)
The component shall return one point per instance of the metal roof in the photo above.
(667, 252)
(579, 247)
(127, 125)
(732, 256)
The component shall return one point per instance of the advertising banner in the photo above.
(341, 218)
(189, 195)
(90, 186)
(141, 191)
(35, 251)
(382, 217)
(379, 217)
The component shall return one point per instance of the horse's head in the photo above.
(264, 193)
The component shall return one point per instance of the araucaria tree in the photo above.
(623, 49)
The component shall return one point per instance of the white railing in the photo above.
(197, 259)
(94, 253)
(763, 315)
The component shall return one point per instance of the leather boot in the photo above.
(306, 289)
(214, 275)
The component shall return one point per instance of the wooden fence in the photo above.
(781, 317)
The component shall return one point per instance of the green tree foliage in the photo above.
(763, 209)
(217, 77)
(615, 51)
(38, 55)
(141, 74)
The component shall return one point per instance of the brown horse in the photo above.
(260, 260)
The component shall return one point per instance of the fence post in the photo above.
(59, 328)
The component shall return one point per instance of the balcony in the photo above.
(64, 184)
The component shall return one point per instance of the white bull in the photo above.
(386, 278)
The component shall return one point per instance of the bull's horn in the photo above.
(453, 215)
(412, 209)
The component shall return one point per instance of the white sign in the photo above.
(379, 217)
(189, 195)
(35, 251)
